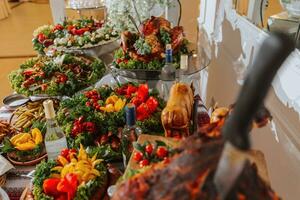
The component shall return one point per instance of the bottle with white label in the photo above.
(55, 139)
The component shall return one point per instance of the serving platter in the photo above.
(27, 163)
(98, 50)
(171, 142)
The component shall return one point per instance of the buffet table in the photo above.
(140, 115)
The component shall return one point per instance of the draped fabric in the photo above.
(4, 9)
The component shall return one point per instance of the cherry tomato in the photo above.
(104, 139)
(89, 126)
(58, 27)
(119, 60)
(48, 42)
(63, 78)
(161, 152)
(77, 129)
(144, 163)
(88, 104)
(149, 148)
(138, 156)
(41, 37)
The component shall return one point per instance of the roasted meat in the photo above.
(153, 25)
(189, 175)
(150, 33)
(177, 114)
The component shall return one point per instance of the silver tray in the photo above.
(97, 50)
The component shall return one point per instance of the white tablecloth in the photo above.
(4, 9)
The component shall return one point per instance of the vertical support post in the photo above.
(58, 10)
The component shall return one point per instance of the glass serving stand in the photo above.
(196, 63)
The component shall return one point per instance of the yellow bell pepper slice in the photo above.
(108, 108)
(111, 100)
(25, 146)
(37, 136)
(119, 105)
(20, 138)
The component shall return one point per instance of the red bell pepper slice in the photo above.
(142, 112)
(136, 101)
(131, 89)
(152, 104)
(143, 92)
(68, 185)
(50, 186)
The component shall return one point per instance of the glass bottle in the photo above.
(168, 74)
(55, 139)
(130, 133)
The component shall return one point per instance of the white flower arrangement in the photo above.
(119, 10)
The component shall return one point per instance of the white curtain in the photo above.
(4, 9)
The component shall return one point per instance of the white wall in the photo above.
(230, 37)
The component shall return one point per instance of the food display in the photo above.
(146, 49)
(201, 153)
(96, 117)
(107, 138)
(151, 152)
(189, 175)
(176, 116)
(5, 130)
(30, 115)
(73, 34)
(61, 75)
(75, 174)
(24, 146)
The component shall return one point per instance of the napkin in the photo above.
(5, 165)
